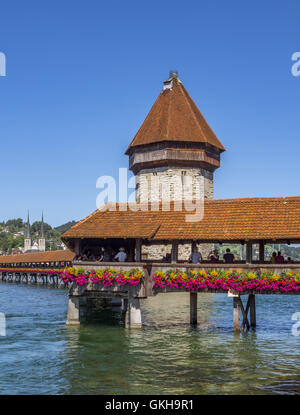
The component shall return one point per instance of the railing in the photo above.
(167, 265)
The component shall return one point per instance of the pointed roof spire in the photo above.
(42, 234)
(28, 227)
(175, 117)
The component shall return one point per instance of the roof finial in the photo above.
(168, 82)
(173, 74)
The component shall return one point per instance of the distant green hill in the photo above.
(63, 228)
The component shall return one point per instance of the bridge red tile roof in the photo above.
(38, 257)
(273, 218)
(175, 117)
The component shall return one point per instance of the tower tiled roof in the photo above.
(175, 117)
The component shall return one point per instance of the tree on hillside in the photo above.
(15, 225)
(36, 227)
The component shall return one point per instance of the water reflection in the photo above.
(42, 355)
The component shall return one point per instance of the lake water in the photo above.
(41, 355)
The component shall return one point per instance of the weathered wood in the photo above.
(249, 252)
(252, 310)
(244, 311)
(77, 246)
(236, 314)
(261, 251)
(138, 250)
(174, 252)
(193, 308)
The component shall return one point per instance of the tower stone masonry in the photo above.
(174, 155)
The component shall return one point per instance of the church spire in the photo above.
(28, 227)
(42, 240)
(42, 235)
(27, 239)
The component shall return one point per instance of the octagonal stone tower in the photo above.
(174, 145)
(174, 140)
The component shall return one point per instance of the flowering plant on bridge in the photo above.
(107, 277)
(220, 280)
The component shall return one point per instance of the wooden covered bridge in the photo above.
(35, 267)
(247, 221)
(174, 142)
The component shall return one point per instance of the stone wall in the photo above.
(157, 252)
(176, 183)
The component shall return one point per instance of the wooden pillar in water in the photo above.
(252, 310)
(193, 308)
(236, 314)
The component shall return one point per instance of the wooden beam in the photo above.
(174, 253)
(138, 250)
(236, 314)
(245, 314)
(261, 251)
(77, 246)
(249, 252)
(193, 308)
(252, 310)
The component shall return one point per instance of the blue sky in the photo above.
(82, 76)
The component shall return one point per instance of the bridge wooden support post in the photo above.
(133, 317)
(238, 309)
(252, 310)
(236, 313)
(193, 308)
